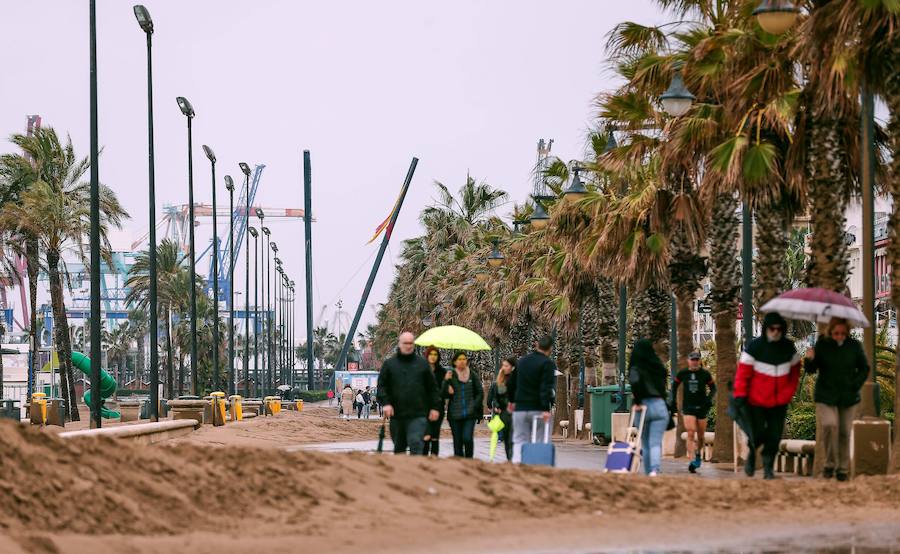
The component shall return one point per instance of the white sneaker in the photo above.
(653, 474)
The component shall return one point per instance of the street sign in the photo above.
(703, 307)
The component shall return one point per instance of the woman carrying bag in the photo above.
(498, 402)
(647, 376)
(466, 395)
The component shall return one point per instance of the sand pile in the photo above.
(94, 486)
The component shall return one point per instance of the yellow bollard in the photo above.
(218, 399)
(38, 408)
(277, 405)
(299, 405)
(268, 406)
(237, 410)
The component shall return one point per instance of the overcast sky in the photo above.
(469, 85)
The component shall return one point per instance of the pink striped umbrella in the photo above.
(816, 304)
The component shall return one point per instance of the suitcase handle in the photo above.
(534, 430)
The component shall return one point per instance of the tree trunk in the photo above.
(892, 98)
(725, 279)
(180, 374)
(33, 267)
(141, 366)
(772, 242)
(61, 330)
(170, 357)
(685, 328)
(726, 366)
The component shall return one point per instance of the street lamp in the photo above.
(255, 235)
(576, 190)
(215, 264)
(95, 224)
(677, 99)
(246, 170)
(188, 112)
(273, 294)
(146, 23)
(279, 318)
(776, 16)
(229, 184)
(539, 218)
(267, 299)
(496, 258)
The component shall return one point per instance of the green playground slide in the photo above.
(107, 385)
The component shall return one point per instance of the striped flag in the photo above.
(386, 224)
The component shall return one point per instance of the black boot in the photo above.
(768, 467)
(750, 464)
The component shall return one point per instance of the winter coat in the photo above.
(347, 400)
(466, 400)
(407, 384)
(768, 372)
(842, 371)
(532, 386)
(499, 400)
(646, 373)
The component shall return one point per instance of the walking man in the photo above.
(767, 377)
(532, 389)
(697, 398)
(408, 395)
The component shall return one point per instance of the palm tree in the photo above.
(139, 326)
(56, 210)
(118, 346)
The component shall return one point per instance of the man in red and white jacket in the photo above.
(766, 380)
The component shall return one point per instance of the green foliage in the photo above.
(312, 395)
(801, 421)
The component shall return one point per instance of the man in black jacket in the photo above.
(409, 395)
(532, 390)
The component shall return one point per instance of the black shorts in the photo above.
(700, 412)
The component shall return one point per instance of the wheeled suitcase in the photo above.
(539, 453)
(625, 456)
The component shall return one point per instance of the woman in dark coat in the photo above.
(498, 402)
(647, 376)
(432, 436)
(463, 387)
(842, 367)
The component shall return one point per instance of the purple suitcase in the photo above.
(625, 456)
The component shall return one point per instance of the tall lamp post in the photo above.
(267, 298)
(229, 184)
(291, 334)
(256, 275)
(146, 24)
(273, 296)
(215, 265)
(95, 224)
(255, 236)
(246, 170)
(188, 112)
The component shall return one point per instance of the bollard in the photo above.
(38, 408)
(299, 405)
(218, 408)
(237, 408)
(55, 412)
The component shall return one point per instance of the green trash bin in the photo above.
(604, 401)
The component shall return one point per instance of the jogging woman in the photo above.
(699, 392)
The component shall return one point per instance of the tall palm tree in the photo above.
(56, 210)
(139, 326)
(118, 346)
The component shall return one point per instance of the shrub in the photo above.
(801, 421)
(312, 395)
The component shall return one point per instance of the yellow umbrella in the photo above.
(452, 337)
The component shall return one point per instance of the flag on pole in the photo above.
(386, 224)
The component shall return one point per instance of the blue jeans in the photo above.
(657, 414)
(463, 437)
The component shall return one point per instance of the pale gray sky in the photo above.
(466, 86)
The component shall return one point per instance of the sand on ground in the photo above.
(93, 493)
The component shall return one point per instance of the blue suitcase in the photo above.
(539, 453)
(625, 456)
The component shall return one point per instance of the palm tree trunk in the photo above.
(827, 176)
(892, 98)
(141, 366)
(170, 357)
(772, 242)
(61, 324)
(180, 374)
(33, 267)
(725, 280)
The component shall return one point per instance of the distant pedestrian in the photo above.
(766, 380)
(433, 433)
(532, 389)
(647, 376)
(697, 398)
(367, 402)
(842, 367)
(360, 403)
(330, 395)
(498, 402)
(463, 388)
(347, 401)
(408, 395)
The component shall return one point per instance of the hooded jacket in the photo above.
(768, 372)
(407, 384)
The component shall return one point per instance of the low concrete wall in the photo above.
(142, 433)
